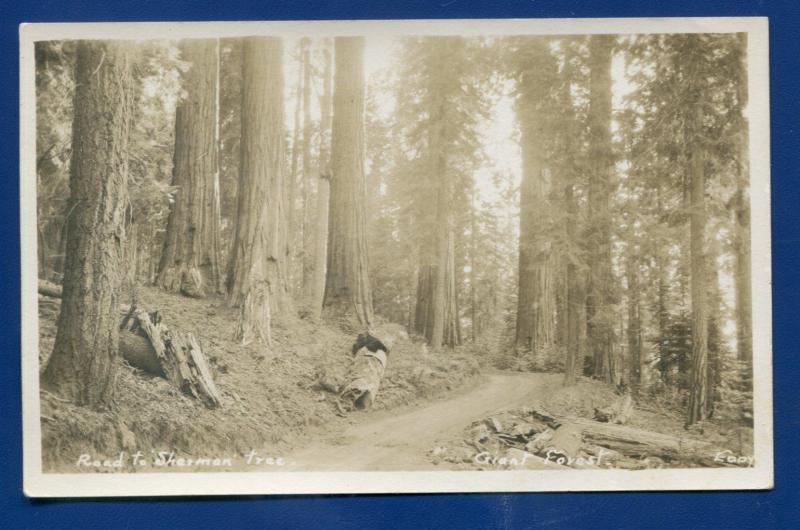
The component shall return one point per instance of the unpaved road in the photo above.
(394, 441)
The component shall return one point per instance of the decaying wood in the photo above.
(364, 379)
(566, 441)
(178, 355)
(137, 350)
(625, 446)
(50, 289)
(634, 442)
(619, 411)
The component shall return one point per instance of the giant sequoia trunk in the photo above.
(191, 256)
(436, 312)
(744, 298)
(347, 289)
(323, 189)
(598, 298)
(698, 382)
(257, 279)
(574, 302)
(81, 367)
(308, 196)
(535, 309)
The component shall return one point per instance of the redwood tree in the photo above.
(323, 187)
(82, 365)
(347, 288)
(599, 298)
(536, 303)
(436, 313)
(191, 255)
(697, 226)
(744, 296)
(308, 239)
(257, 280)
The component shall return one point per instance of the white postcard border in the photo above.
(39, 484)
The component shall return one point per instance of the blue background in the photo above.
(774, 509)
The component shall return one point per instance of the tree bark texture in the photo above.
(598, 299)
(323, 188)
(257, 277)
(347, 290)
(698, 384)
(536, 309)
(308, 191)
(190, 261)
(574, 303)
(634, 330)
(82, 365)
(744, 296)
(436, 312)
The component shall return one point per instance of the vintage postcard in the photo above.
(395, 256)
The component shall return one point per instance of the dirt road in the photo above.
(394, 441)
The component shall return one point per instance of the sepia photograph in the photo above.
(395, 256)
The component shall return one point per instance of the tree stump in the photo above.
(148, 344)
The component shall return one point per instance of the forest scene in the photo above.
(394, 253)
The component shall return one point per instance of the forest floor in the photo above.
(268, 403)
(428, 410)
(654, 436)
(440, 435)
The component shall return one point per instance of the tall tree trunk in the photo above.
(634, 330)
(698, 384)
(323, 187)
(294, 175)
(715, 347)
(82, 365)
(257, 277)
(308, 196)
(744, 298)
(535, 311)
(574, 299)
(347, 288)
(662, 317)
(437, 308)
(473, 238)
(191, 256)
(598, 299)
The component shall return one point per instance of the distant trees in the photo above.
(82, 364)
(436, 314)
(609, 250)
(685, 129)
(536, 86)
(190, 260)
(257, 277)
(347, 289)
(744, 296)
(438, 107)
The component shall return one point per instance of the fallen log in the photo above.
(365, 379)
(639, 443)
(173, 355)
(619, 411)
(566, 441)
(371, 351)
